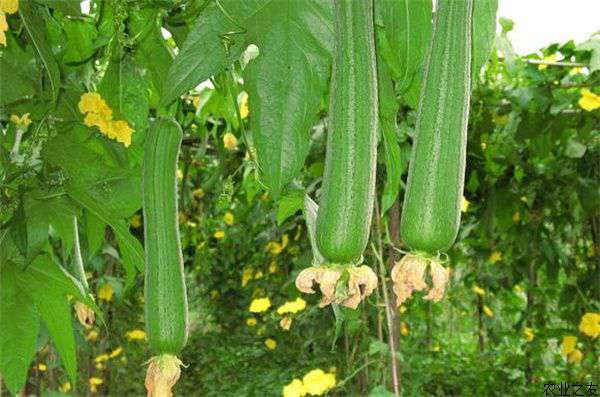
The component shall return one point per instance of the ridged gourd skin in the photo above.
(164, 289)
(431, 210)
(347, 193)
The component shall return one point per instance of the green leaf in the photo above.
(380, 391)
(575, 149)
(592, 45)
(94, 231)
(132, 251)
(109, 180)
(20, 327)
(18, 72)
(484, 32)
(388, 109)
(55, 311)
(152, 50)
(203, 54)
(406, 26)
(31, 14)
(124, 89)
(289, 204)
(80, 36)
(69, 7)
(291, 36)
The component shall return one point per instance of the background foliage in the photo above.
(524, 272)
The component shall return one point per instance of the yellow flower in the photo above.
(247, 275)
(496, 256)
(500, 120)
(92, 102)
(464, 206)
(317, 382)
(292, 307)
(244, 105)
(3, 29)
(271, 344)
(478, 290)
(575, 70)
(136, 334)
(589, 101)
(22, 122)
(575, 356)
(116, 352)
(568, 345)
(94, 383)
(516, 217)
(229, 141)
(251, 322)
(65, 387)
(179, 174)
(228, 218)
(590, 324)
(260, 305)
(549, 58)
(294, 389)
(404, 330)
(136, 221)
(529, 334)
(99, 114)
(101, 358)
(42, 367)
(219, 234)
(274, 247)
(487, 311)
(120, 131)
(258, 275)
(198, 193)
(106, 292)
(285, 323)
(196, 102)
(285, 239)
(100, 366)
(9, 6)
(92, 336)
(95, 120)
(273, 268)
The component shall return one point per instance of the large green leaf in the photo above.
(203, 53)
(31, 14)
(18, 71)
(484, 31)
(80, 35)
(293, 37)
(20, 327)
(106, 177)
(406, 26)
(152, 50)
(38, 290)
(125, 90)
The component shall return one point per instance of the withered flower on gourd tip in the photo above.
(408, 275)
(362, 281)
(163, 372)
(85, 315)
